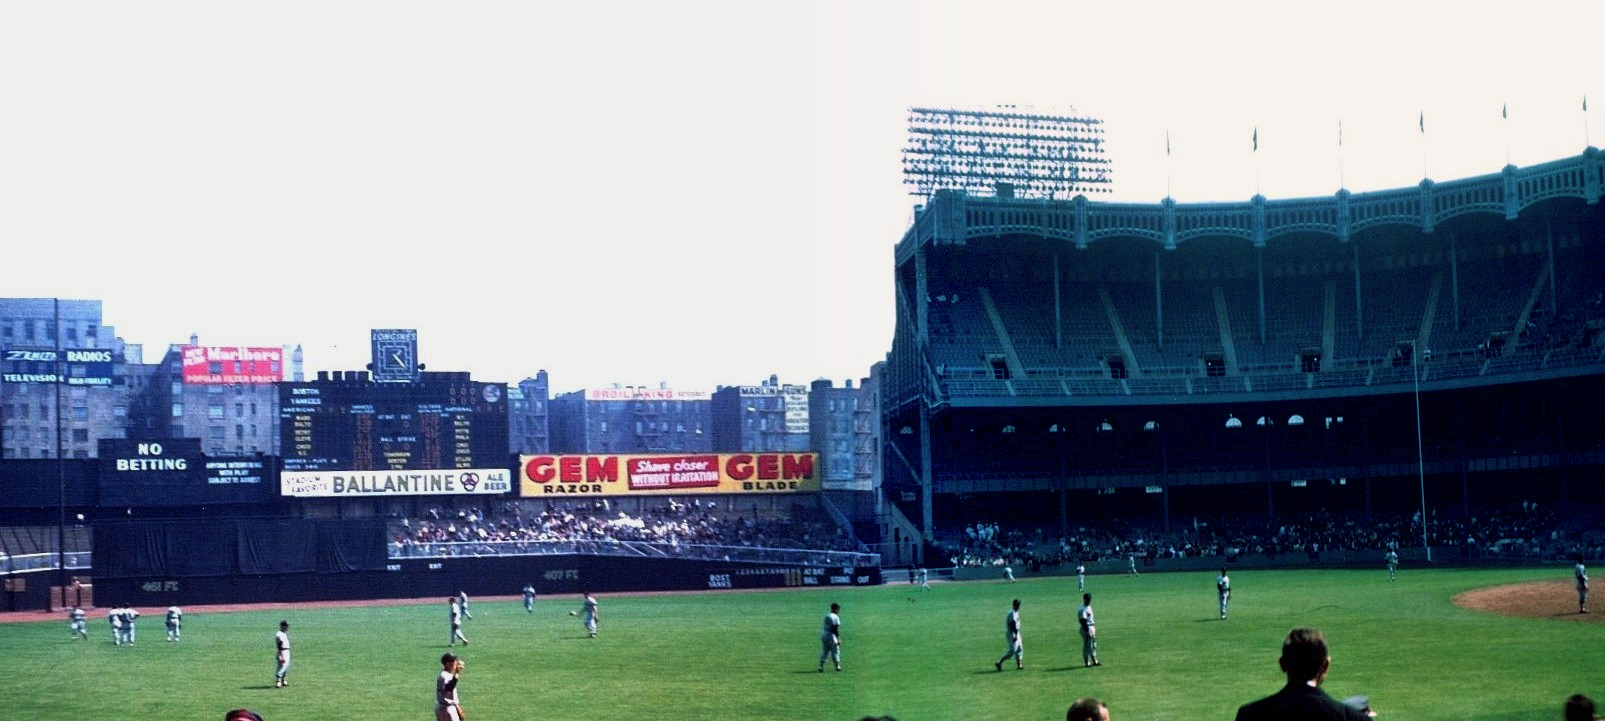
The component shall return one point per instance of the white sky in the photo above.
(698, 193)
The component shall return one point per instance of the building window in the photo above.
(178, 410)
(214, 434)
(80, 413)
(214, 411)
(239, 431)
(22, 433)
(80, 435)
(119, 411)
(239, 410)
(22, 410)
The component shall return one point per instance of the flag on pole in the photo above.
(1504, 110)
(1340, 132)
(1585, 103)
(1167, 142)
(1256, 138)
(1421, 122)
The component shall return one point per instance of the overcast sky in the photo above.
(697, 193)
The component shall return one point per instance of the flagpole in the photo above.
(1586, 142)
(1421, 122)
(1256, 161)
(1504, 116)
(1340, 153)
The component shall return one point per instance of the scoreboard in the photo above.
(441, 421)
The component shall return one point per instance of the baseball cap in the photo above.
(242, 714)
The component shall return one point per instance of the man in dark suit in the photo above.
(1305, 661)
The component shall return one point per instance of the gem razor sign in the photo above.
(595, 475)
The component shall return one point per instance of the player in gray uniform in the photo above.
(1089, 632)
(456, 624)
(529, 598)
(1392, 560)
(115, 618)
(925, 579)
(1223, 589)
(75, 624)
(462, 602)
(1581, 574)
(175, 622)
(830, 638)
(1011, 636)
(1081, 577)
(1008, 574)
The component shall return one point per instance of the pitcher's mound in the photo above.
(1536, 599)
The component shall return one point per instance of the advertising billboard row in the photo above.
(226, 365)
(659, 474)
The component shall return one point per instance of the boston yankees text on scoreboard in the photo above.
(432, 424)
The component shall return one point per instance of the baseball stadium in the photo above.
(1283, 390)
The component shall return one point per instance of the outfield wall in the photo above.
(483, 576)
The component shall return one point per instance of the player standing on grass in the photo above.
(1393, 563)
(1011, 636)
(456, 624)
(75, 624)
(462, 602)
(447, 707)
(589, 614)
(1581, 574)
(1223, 588)
(281, 643)
(925, 579)
(115, 618)
(1081, 576)
(1089, 632)
(830, 638)
(130, 614)
(175, 622)
(529, 598)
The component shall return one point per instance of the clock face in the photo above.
(395, 359)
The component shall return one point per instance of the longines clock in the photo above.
(395, 355)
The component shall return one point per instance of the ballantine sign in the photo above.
(433, 482)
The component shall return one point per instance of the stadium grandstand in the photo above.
(1419, 366)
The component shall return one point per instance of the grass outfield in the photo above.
(911, 655)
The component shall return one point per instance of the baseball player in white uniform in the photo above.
(281, 643)
(1089, 632)
(1581, 574)
(456, 615)
(1011, 636)
(1223, 589)
(175, 622)
(447, 707)
(830, 638)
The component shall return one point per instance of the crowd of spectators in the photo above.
(1522, 531)
(672, 523)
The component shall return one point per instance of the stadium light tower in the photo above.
(1007, 150)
